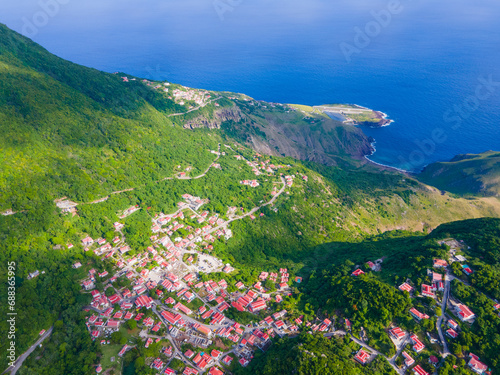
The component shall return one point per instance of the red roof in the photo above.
(418, 346)
(427, 290)
(408, 359)
(397, 332)
(357, 272)
(465, 312)
(475, 364)
(419, 370)
(452, 333)
(215, 371)
(406, 287)
(362, 356)
(418, 314)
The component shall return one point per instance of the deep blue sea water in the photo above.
(423, 66)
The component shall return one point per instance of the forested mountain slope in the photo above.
(67, 130)
(467, 174)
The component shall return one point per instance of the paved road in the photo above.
(399, 350)
(376, 352)
(18, 363)
(439, 323)
(253, 210)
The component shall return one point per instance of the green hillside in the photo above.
(372, 301)
(468, 174)
(67, 130)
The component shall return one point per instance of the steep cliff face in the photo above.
(215, 119)
(286, 133)
(315, 138)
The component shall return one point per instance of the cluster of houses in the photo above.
(172, 312)
(251, 183)
(462, 312)
(200, 97)
(263, 167)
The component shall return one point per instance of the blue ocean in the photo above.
(432, 66)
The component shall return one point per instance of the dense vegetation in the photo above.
(313, 354)
(468, 174)
(66, 130)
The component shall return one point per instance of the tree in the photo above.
(131, 324)
(116, 337)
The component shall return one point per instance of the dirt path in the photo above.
(103, 199)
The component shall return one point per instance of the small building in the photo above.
(475, 365)
(405, 287)
(418, 315)
(464, 313)
(362, 357)
(452, 324)
(358, 272)
(427, 291)
(440, 263)
(452, 333)
(418, 346)
(418, 370)
(408, 359)
(433, 360)
(397, 333)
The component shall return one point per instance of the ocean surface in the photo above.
(432, 66)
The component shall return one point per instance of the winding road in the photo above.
(19, 361)
(439, 323)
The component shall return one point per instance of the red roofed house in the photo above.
(405, 287)
(427, 291)
(227, 360)
(122, 352)
(258, 305)
(206, 331)
(452, 324)
(362, 357)
(439, 263)
(418, 370)
(417, 314)
(358, 272)
(408, 359)
(143, 301)
(418, 346)
(397, 333)
(452, 333)
(464, 313)
(477, 366)
(215, 354)
(433, 360)
(244, 362)
(113, 324)
(215, 371)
